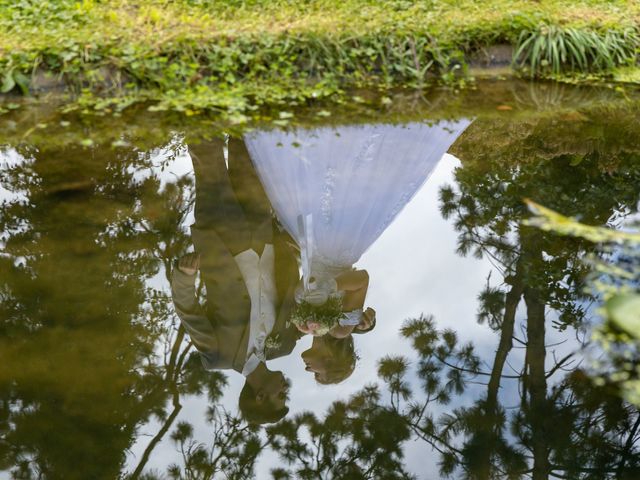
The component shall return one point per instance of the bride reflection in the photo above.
(332, 360)
(335, 190)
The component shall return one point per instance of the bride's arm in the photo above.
(355, 284)
(353, 280)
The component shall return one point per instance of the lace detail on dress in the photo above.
(410, 191)
(326, 202)
(368, 150)
(366, 154)
(338, 262)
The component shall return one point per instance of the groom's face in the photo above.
(274, 391)
(264, 402)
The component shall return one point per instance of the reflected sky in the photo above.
(414, 270)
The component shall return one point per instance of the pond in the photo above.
(152, 265)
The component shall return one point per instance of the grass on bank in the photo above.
(233, 55)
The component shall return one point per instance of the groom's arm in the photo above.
(191, 313)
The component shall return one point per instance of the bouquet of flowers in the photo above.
(322, 317)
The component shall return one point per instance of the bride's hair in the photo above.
(341, 363)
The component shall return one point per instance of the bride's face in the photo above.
(315, 358)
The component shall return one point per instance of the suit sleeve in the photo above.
(192, 315)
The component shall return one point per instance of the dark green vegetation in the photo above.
(91, 350)
(232, 56)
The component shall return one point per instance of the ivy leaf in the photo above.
(8, 82)
(624, 311)
(22, 81)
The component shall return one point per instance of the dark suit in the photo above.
(232, 214)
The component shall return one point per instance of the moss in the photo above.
(234, 56)
(42, 123)
(630, 74)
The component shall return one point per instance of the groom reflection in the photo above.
(250, 273)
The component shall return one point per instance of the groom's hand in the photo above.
(189, 263)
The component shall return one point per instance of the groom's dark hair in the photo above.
(258, 413)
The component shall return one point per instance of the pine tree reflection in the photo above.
(581, 171)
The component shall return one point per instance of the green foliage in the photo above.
(624, 311)
(492, 303)
(549, 159)
(232, 454)
(69, 336)
(232, 56)
(361, 437)
(12, 79)
(558, 49)
(615, 281)
(583, 162)
(392, 370)
(550, 221)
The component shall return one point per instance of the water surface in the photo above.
(479, 363)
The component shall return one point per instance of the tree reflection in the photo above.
(581, 167)
(80, 324)
(563, 426)
(590, 432)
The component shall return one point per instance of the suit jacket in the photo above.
(231, 217)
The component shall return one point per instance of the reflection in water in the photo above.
(330, 359)
(249, 272)
(547, 274)
(99, 380)
(76, 377)
(334, 191)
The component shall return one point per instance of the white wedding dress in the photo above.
(336, 189)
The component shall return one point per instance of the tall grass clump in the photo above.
(551, 49)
